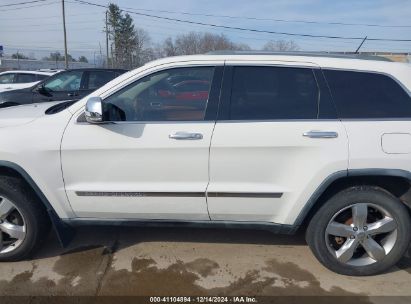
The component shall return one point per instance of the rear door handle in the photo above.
(186, 136)
(321, 134)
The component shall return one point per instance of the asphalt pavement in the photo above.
(109, 261)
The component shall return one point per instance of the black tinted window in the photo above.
(42, 77)
(170, 95)
(368, 95)
(99, 78)
(274, 93)
(25, 78)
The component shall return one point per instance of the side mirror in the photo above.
(41, 89)
(94, 110)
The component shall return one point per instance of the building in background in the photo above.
(32, 65)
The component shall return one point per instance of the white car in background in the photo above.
(13, 80)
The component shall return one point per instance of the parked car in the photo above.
(66, 85)
(279, 142)
(13, 80)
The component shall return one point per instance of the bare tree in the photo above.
(281, 46)
(168, 48)
(143, 51)
(188, 44)
(198, 43)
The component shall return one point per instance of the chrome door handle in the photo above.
(186, 136)
(321, 134)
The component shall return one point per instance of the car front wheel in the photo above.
(24, 223)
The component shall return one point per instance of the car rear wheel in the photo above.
(360, 231)
(24, 223)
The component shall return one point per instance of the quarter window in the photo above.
(368, 95)
(179, 94)
(274, 93)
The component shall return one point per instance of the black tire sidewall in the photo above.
(33, 217)
(371, 195)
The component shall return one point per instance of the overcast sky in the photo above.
(38, 29)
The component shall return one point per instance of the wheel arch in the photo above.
(64, 232)
(395, 181)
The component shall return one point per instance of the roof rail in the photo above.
(308, 54)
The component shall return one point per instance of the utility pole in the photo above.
(65, 35)
(101, 55)
(18, 60)
(107, 38)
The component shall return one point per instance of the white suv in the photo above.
(278, 142)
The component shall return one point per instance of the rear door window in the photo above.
(271, 93)
(368, 95)
(41, 77)
(25, 78)
(97, 79)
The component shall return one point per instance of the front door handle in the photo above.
(321, 134)
(186, 136)
(72, 94)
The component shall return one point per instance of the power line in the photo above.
(20, 8)
(51, 30)
(46, 17)
(270, 19)
(245, 29)
(55, 24)
(20, 3)
(42, 48)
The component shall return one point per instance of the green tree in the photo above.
(114, 20)
(83, 59)
(130, 46)
(56, 56)
(19, 56)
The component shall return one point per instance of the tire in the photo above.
(28, 213)
(333, 244)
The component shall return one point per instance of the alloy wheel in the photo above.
(12, 226)
(361, 234)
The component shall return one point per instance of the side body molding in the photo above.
(64, 232)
